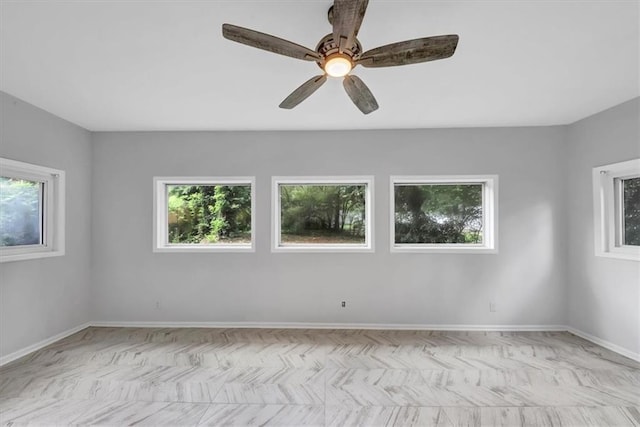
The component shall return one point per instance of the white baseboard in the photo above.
(37, 346)
(314, 325)
(311, 325)
(604, 343)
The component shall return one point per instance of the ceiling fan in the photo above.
(339, 52)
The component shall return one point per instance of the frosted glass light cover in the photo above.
(338, 66)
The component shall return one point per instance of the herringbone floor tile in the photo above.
(153, 376)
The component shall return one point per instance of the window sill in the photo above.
(30, 255)
(209, 249)
(442, 249)
(629, 256)
(322, 249)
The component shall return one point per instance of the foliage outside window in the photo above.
(631, 211)
(204, 214)
(31, 211)
(443, 213)
(20, 212)
(616, 190)
(322, 214)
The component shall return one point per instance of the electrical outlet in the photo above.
(157, 305)
(492, 307)
(343, 304)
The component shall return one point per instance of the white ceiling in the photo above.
(164, 65)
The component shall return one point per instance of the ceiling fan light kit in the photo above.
(338, 53)
(338, 65)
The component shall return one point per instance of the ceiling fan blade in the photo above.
(347, 18)
(410, 52)
(360, 94)
(268, 42)
(303, 92)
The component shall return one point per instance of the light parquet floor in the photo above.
(144, 376)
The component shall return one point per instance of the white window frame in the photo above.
(489, 214)
(160, 210)
(367, 181)
(607, 210)
(52, 213)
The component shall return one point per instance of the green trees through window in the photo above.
(631, 215)
(20, 212)
(322, 214)
(326, 213)
(209, 214)
(438, 213)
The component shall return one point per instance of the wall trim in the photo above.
(604, 343)
(312, 325)
(41, 344)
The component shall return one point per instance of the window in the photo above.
(322, 214)
(444, 214)
(31, 211)
(616, 191)
(204, 214)
(630, 214)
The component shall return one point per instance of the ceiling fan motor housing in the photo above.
(327, 47)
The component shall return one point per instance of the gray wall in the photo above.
(43, 297)
(545, 197)
(526, 279)
(604, 293)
